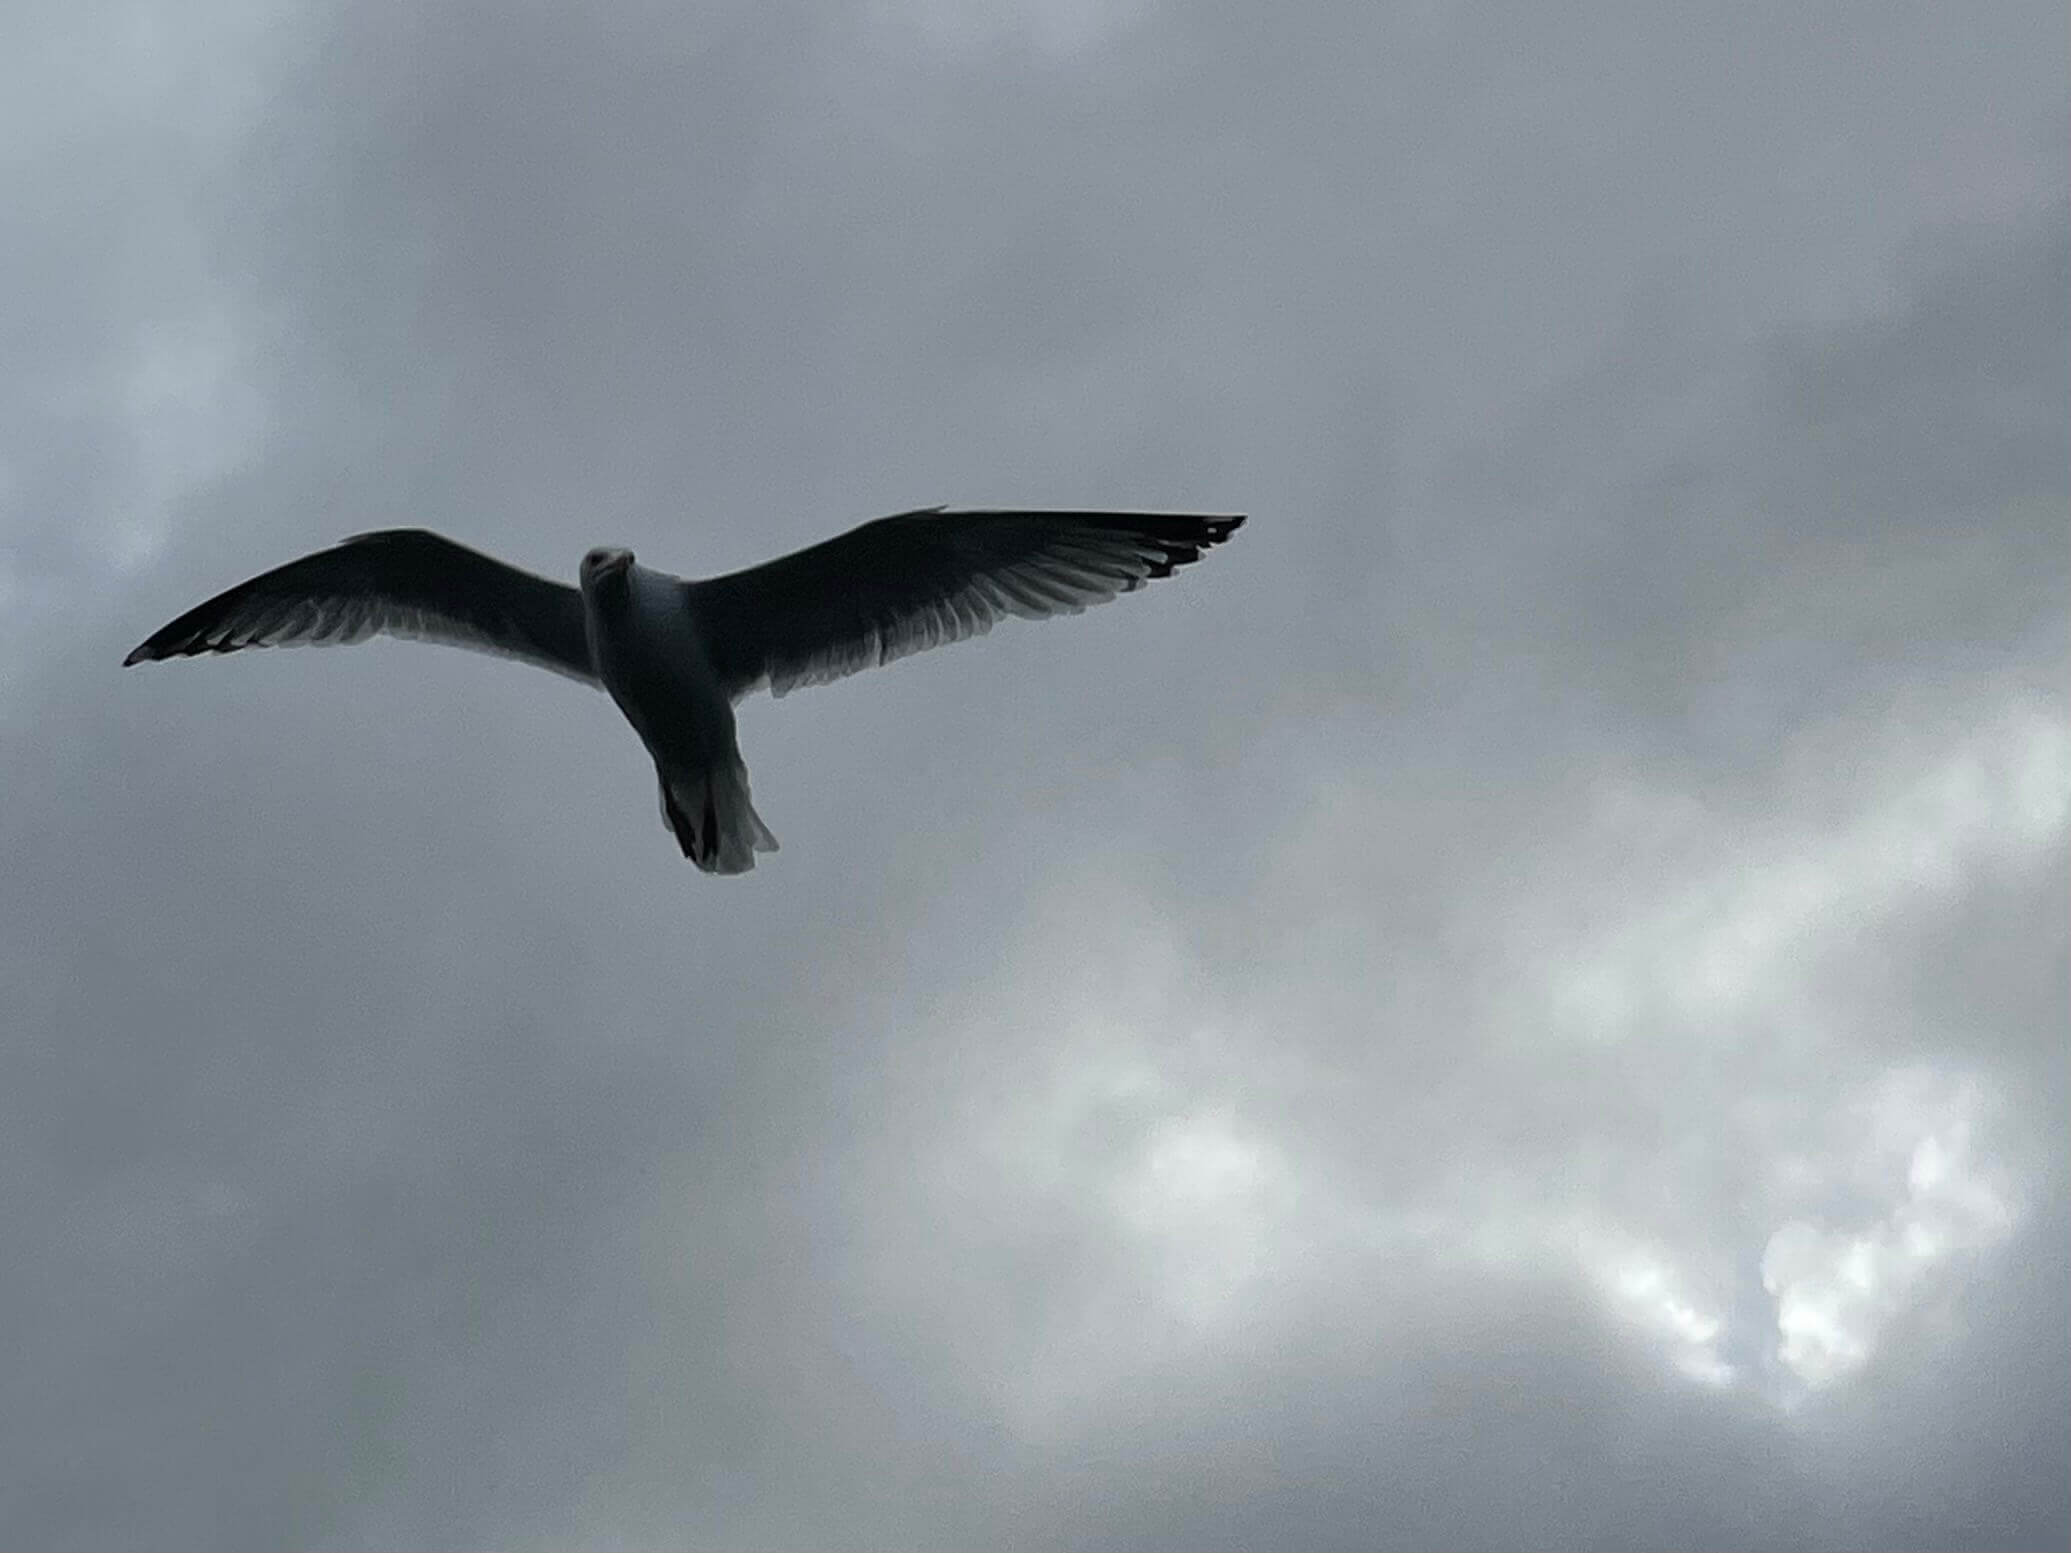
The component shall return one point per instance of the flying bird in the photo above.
(676, 654)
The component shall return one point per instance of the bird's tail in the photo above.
(709, 814)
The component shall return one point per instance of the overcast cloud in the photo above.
(1523, 1002)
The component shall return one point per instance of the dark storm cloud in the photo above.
(1393, 1038)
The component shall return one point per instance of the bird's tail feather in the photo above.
(711, 818)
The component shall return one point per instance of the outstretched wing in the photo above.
(914, 581)
(400, 582)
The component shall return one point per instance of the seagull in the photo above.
(678, 654)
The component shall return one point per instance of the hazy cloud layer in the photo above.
(1521, 1003)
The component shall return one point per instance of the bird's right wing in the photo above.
(914, 581)
(400, 582)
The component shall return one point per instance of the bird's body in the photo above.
(676, 655)
(645, 646)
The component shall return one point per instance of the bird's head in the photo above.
(606, 561)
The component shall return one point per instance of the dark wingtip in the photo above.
(141, 653)
(1200, 533)
(1213, 528)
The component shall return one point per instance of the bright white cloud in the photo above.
(1644, 1287)
(1723, 962)
(1839, 1280)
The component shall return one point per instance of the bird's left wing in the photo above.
(399, 582)
(902, 584)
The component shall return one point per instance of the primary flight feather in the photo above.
(677, 654)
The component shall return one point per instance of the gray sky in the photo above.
(1522, 1002)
